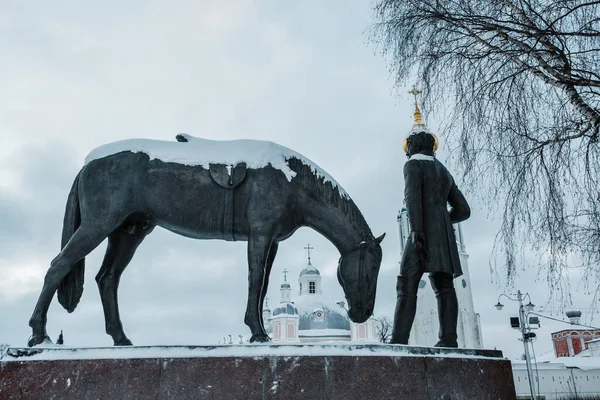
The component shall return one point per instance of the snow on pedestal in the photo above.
(331, 371)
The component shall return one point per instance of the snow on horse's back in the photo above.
(194, 151)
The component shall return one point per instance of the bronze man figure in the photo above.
(431, 247)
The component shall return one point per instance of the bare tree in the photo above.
(384, 330)
(518, 82)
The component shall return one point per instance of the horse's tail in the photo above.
(71, 287)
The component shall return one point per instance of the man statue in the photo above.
(431, 246)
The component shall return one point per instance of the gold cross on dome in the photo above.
(414, 91)
(417, 113)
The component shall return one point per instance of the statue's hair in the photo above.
(419, 142)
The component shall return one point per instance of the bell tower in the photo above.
(310, 277)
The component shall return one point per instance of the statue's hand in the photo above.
(418, 240)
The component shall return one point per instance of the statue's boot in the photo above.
(443, 287)
(406, 307)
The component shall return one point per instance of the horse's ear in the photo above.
(379, 239)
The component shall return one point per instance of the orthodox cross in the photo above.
(414, 91)
(308, 248)
(285, 271)
(417, 114)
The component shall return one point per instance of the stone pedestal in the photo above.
(323, 371)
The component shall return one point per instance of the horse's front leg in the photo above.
(258, 255)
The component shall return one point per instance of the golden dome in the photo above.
(418, 125)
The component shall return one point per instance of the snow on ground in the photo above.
(251, 350)
(197, 151)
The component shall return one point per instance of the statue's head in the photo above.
(357, 273)
(421, 142)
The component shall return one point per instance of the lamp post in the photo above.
(525, 332)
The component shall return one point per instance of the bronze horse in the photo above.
(123, 192)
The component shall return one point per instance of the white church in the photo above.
(311, 316)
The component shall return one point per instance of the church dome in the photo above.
(285, 309)
(309, 270)
(321, 313)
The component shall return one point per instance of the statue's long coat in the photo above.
(429, 188)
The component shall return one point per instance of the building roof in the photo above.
(583, 363)
(285, 309)
(309, 270)
(320, 313)
(578, 330)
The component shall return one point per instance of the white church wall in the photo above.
(285, 329)
(594, 347)
(364, 332)
(556, 381)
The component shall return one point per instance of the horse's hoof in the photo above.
(34, 340)
(260, 338)
(123, 342)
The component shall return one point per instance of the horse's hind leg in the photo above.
(122, 245)
(258, 254)
(83, 241)
(268, 267)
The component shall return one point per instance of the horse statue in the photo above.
(250, 190)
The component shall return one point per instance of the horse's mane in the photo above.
(330, 194)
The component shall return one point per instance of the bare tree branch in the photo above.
(519, 81)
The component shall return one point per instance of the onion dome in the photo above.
(574, 317)
(319, 312)
(309, 269)
(285, 309)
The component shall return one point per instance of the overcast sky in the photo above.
(301, 74)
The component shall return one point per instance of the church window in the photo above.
(464, 283)
(319, 316)
(312, 287)
(422, 284)
(300, 287)
(362, 332)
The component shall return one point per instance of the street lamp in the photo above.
(525, 332)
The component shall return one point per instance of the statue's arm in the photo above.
(460, 209)
(413, 194)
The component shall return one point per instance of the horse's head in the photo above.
(357, 273)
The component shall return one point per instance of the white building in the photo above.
(425, 327)
(577, 376)
(312, 316)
